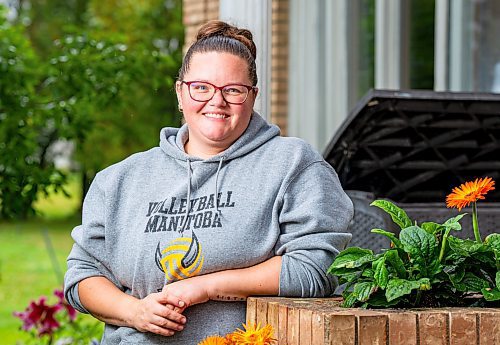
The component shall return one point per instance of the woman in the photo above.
(173, 240)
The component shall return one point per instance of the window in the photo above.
(474, 52)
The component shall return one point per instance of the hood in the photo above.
(257, 133)
(172, 142)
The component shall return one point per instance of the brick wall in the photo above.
(320, 321)
(279, 64)
(197, 12)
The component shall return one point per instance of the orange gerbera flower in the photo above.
(252, 335)
(469, 192)
(214, 340)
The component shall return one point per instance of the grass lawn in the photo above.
(27, 270)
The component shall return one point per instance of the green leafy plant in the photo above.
(425, 266)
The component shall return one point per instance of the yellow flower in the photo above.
(252, 335)
(469, 192)
(214, 340)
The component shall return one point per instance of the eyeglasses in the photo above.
(202, 91)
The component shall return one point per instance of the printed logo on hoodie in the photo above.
(183, 257)
(171, 213)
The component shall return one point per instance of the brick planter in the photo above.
(322, 321)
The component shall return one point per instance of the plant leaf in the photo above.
(453, 223)
(487, 258)
(399, 287)
(389, 234)
(497, 280)
(363, 290)
(381, 274)
(397, 214)
(348, 277)
(471, 283)
(379, 300)
(422, 248)
(352, 257)
(349, 300)
(375, 262)
(493, 241)
(466, 247)
(395, 261)
(455, 273)
(491, 294)
(368, 273)
(417, 241)
(432, 227)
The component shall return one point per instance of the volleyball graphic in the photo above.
(181, 259)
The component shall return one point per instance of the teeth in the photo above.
(215, 116)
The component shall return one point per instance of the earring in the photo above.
(179, 107)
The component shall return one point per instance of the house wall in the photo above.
(340, 49)
(279, 64)
(196, 13)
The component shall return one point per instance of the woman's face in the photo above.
(215, 124)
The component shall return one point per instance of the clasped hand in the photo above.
(161, 312)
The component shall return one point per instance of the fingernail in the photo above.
(183, 320)
(181, 304)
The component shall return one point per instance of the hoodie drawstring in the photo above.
(216, 187)
(189, 191)
(188, 195)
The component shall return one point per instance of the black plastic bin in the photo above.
(413, 147)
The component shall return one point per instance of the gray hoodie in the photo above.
(265, 195)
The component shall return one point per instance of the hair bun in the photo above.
(220, 28)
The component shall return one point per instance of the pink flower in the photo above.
(49, 323)
(40, 316)
(62, 302)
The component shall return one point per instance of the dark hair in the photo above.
(219, 36)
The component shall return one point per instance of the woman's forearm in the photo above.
(158, 313)
(230, 285)
(106, 302)
(238, 284)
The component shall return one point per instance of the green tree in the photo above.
(48, 20)
(23, 170)
(96, 87)
(100, 83)
(154, 28)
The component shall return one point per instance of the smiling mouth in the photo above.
(216, 116)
